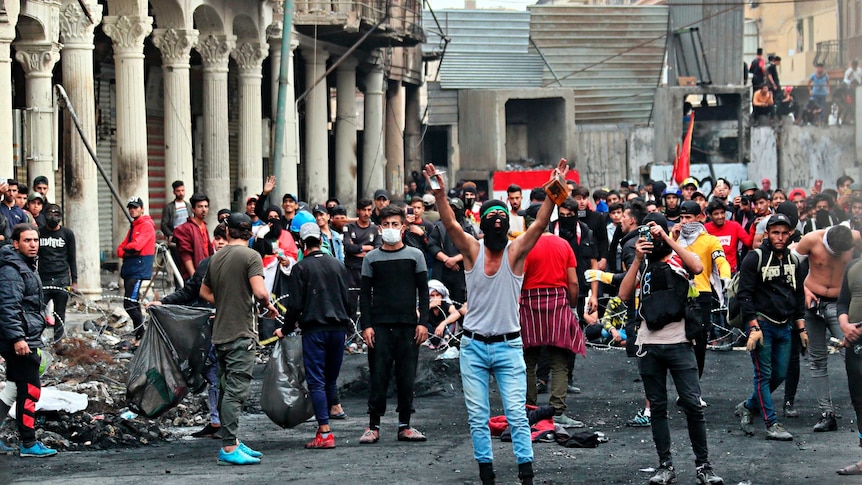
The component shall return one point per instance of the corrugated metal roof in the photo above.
(488, 49)
(611, 56)
(442, 105)
(722, 31)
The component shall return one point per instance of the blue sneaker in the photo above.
(236, 457)
(38, 450)
(248, 451)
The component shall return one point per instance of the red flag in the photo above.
(682, 165)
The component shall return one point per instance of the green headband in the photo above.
(495, 207)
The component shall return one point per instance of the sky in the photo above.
(507, 4)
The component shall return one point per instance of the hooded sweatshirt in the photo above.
(137, 249)
(772, 291)
(22, 315)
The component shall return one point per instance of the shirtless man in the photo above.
(828, 252)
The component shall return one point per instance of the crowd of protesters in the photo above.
(518, 285)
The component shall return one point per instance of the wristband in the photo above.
(801, 330)
(754, 328)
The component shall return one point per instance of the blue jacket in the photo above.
(22, 314)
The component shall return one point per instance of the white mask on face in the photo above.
(391, 236)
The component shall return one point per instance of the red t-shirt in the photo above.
(547, 263)
(729, 235)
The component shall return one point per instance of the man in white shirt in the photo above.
(853, 74)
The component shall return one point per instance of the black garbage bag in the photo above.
(284, 397)
(189, 332)
(155, 382)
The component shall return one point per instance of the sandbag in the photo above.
(155, 382)
(284, 396)
(189, 331)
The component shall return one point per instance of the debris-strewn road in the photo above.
(610, 396)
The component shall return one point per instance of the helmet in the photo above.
(690, 181)
(300, 218)
(672, 190)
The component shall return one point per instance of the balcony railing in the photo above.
(401, 16)
(831, 54)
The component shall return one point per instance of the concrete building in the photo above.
(186, 89)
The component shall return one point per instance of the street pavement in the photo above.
(611, 395)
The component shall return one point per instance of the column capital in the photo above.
(175, 45)
(314, 56)
(275, 34)
(277, 8)
(76, 30)
(37, 58)
(348, 64)
(215, 51)
(127, 34)
(249, 57)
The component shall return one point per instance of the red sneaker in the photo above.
(321, 443)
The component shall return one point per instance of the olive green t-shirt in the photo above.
(228, 277)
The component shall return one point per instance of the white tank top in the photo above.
(492, 301)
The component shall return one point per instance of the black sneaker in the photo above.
(827, 423)
(541, 387)
(790, 411)
(705, 476)
(665, 475)
(209, 431)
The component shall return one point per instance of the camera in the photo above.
(745, 200)
(643, 231)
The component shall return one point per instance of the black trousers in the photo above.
(60, 299)
(679, 361)
(393, 346)
(791, 382)
(23, 370)
(705, 301)
(132, 305)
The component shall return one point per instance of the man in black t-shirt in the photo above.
(57, 265)
(360, 237)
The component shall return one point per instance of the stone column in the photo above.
(176, 45)
(395, 139)
(81, 187)
(215, 52)
(858, 125)
(38, 60)
(412, 132)
(130, 154)
(7, 35)
(373, 159)
(316, 139)
(345, 134)
(287, 177)
(249, 57)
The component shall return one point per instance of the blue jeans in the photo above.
(211, 375)
(322, 354)
(770, 360)
(506, 361)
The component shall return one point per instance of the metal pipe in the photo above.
(278, 143)
(67, 105)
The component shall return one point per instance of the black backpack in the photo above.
(664, 295)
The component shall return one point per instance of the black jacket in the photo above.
(585, 252)
(58, 264)
(318, 295)
(189, 294)
(779, 296)
(22, 314)
(600, 233)
(439, 241)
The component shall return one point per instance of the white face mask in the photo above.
(391, 236)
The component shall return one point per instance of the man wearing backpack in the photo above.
(663, 270)
(772, 305)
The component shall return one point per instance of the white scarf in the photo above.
(687, 235)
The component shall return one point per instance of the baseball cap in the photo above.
(698, 193)
(778, 218)
(34, 196)
(856, 186)
(690, 208)
(288, 196)
(309, 229)
(251, 199)
(456, 203)
(793, 193)
(381, 193)
(40, 180)
(428, 200)
(319, 209)
(223, 212)
(690, 181)
(239, 220)
(135, 201)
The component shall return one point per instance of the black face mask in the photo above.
(567, 225)
(275, 228)
(52, 222)
(495, 238)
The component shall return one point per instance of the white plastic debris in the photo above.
(53, 399)
(450, 353)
